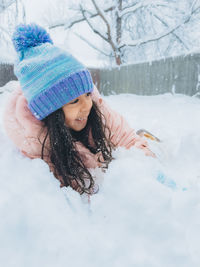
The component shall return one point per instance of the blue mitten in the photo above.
(163, 179)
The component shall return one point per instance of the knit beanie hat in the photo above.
(49, 76)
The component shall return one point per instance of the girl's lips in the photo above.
(81, 120)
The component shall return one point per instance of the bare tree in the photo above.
(4, 4)
(11, 12)
(132, 26)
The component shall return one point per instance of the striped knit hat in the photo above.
(49, 76)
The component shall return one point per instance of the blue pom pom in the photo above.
(26, 36)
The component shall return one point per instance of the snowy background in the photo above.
(134, 30)
(146, 213)
(134, 220)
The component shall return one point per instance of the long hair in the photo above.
(65, 158)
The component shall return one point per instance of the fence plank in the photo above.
(180, 74)
(6, 73)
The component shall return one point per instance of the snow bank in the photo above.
(133, 221)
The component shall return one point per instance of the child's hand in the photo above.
(148, 152)
(142, 144)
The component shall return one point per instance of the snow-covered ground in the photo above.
(134, 220)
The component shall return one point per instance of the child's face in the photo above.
(77, 111)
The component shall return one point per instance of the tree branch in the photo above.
(102, 15)
(114, 48)
(63, 24)
(4, 6)
(5, 31)
(135, 7)
(173, 33)
(91, 26)
(90, 44)
(163, 34)
(118, 22)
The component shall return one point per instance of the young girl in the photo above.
(57, 114)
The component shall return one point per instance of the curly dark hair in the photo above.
(66, 160)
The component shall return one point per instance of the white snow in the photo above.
(134, 220)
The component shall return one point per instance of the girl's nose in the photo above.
(86, 104)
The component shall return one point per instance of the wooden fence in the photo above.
(180, 74)
(6, 73)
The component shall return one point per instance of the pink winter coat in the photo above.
(23, 129)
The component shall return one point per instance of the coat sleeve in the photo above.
(23, 129)
(122, 135)
(21, 126)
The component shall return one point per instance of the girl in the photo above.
(57, 114)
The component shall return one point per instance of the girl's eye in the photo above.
(74, 102)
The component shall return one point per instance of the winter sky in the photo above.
(36, 10)
(147, 212)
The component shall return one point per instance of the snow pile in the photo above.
(134, 220)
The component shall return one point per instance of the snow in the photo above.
(134, 220)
